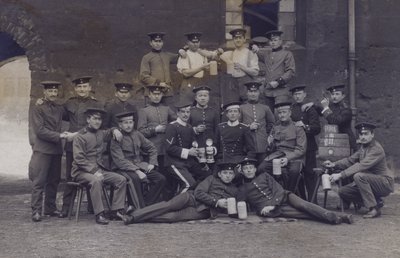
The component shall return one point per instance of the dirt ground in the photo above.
(53, 237)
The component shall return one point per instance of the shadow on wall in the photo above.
(15, 83)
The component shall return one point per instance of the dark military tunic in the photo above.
(209, 117)
(339, 114)
(234, 142)
(259, 113)
(151, 116)
(116, 106)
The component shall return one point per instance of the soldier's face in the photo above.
(202, 97)
(299, 96)
(337, 96)
(94, 121)
(226, 176)
(239, 41)
(184, 114)
(193, 46)
(253, 95)
(123, 95)
(249, 171)
(233, 114)
(275, 42)
(50, 94)
(83, 90)
(284, 113)
(127, 124)
(155, 97)
(156, 44)
(365, 136)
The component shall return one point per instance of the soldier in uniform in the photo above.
(193, 65)
(233, 139)
(261, 43)
(308, 119)
(242, 65)
(280, 67)
(269, 199)
(88, 166)
(258, 117)
(75, 108)
(208, 200)
(181, 155)
(155, 66)
(127, 156)
(367, 166)
(288, 143)
(336, 112)
(45, 164)
(121, 103)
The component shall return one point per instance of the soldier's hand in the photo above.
(70, 136)
(63, 135)
(237, 66)
(254, 126)
(39, 102)
(99, 174)
(150, 167)
(255, 48)
(325, 103)
(328, 164)
(274, 84)
(335, 177)
(300, 124)
(270, 139)
(220, 51)
(193, 152)
(266, 210)
(182, 53)
(305, 107)
(200, 128)
(284, 162)
(223, 203)
(117, 135)
(141, 175)
(206, 66)
(160, 128)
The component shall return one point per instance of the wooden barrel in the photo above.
(333, 146)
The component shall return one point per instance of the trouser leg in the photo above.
(188, 213)
(67, 195)
(156, 186)
(293, 173)
(137, 185)
(96, 188)
(119, 183)
(53, 179)
(184, 178)
(310, 177)
(350, 193)
(180, 201)
(38, 169)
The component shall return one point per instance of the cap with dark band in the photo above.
(339, 87)
(125, 116)
(238, 32)
(121, 86)
(156, 88)
(193, 36)
(182, 103)
(273, 33)
(365, 126)
(282, 101)
(252, 85)
(232, 105)
(156, 35)
(50, 84)
(226, 166)
(201, 87)
(82, 80)
(259, 40)
(297, 88)
(91, 111)
(248, 161)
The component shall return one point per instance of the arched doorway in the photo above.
(15, 83)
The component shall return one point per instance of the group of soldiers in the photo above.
(181, 158)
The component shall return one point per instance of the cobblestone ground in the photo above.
(19, 237)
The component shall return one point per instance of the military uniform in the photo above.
(372, 178)
(88, 148)
(127, 157)
(45, 163)
(209, 117)
(312, 128)
(234, 142)
(179, 137)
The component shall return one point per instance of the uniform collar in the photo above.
(181, 122)
(155, 51)
(89, 129)
(277, 49)
(200, 107)
(233, 123)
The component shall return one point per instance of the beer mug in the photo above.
(276, 167)
(213, 68)
(232, 206)
(230, 68)
(202, 155)
(242, 210)
(326, 182)
(211, 151)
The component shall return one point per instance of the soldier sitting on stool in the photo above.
(368, 168)
(286, 142)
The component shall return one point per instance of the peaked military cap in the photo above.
(50, 84)
(248, 161)
(339, 87)
(238, 32)
(182, 103)
(201, 87)
(226, 166)
(193, 36)
(82, 80)
(156, 35)
(297, 88)
(156, 88)
(252, 85)
(365, 126)
(273, 33)
(121, 86)
(231, 105)
(92, 110)
(124, 115)
(282, 101)
(259, 40)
